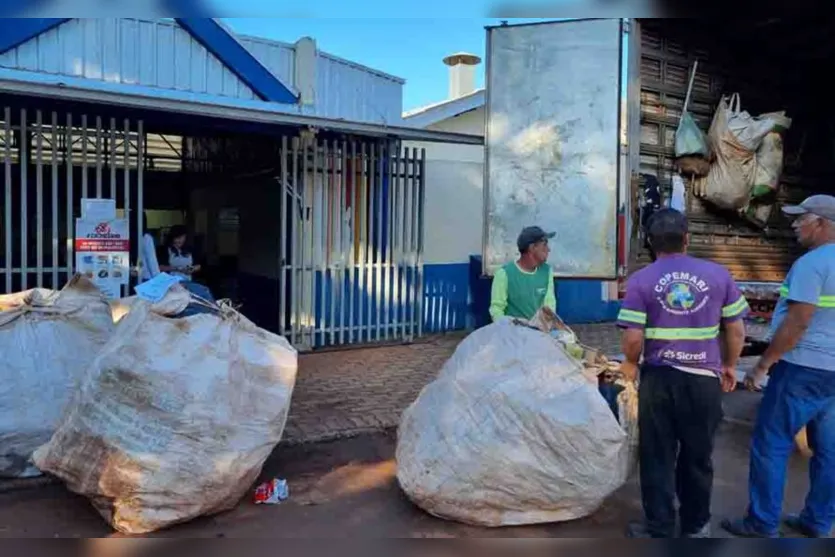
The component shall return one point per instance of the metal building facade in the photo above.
(162, 54)
(346, 266)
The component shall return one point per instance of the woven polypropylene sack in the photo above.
(512, 433)
(176, 417)
(47, 340)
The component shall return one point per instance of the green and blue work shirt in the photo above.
(812, 281)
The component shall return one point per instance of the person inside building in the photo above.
(672, 316)
(148, 263)
(801, 386)
(523, 287)
(175, 257)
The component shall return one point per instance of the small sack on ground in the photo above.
(513, 432)
(47, 341)
(176, 417)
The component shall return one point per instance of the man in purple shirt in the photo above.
(672, 315)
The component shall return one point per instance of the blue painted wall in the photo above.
(455, 297)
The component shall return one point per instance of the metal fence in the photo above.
(51, 160)
(352, 251)
(349, 255)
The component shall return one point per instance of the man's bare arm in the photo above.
(789, 334)
(733, 343)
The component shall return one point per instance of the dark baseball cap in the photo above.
(532, 235)
(818, 205)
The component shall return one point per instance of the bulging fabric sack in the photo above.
(512, 432)
(734, 138)
(769, 157)
(176, 417)
(47, 341)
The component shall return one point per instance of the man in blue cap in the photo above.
(801, 387)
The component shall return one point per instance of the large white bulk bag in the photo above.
(512, 432)
(47, 341)
(176, 418)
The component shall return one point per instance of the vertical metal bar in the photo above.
(408, 306)
(140, 179)
(363, 295)
(404, 221)
(396, 238)
(311, 202)
(295, 289)
(416, 316)
(84, 145)
(111, 158)
(126, 168)
(24, 201)
(344, 256)
(421, 184)
(304, 283)
(352, 277)
(70, 199)
(324, 221)
(54, 207)
(383, 220)
(282, 248)
(372, 252)
(39, 196)
(391, 310)
(379, 291)
(7, 217)
(331, 193)
(98, 158)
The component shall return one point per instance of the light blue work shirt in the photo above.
(812, 281)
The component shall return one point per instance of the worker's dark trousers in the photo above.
(679, 414)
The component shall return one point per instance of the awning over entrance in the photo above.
(79, 90)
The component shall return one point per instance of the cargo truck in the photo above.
(580, 113)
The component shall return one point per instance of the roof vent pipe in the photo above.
(462, 68)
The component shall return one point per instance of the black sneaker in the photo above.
(796, 525)
(640, 530)
(741, 529)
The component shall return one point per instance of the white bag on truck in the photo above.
(47, 341)
(734, 138)
(176, 417)
(512, 433)
(769, 157)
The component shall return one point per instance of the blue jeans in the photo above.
(796, 396)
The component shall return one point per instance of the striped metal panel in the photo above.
(750, 254)
(128, 51)
(45, 155)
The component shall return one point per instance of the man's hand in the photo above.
(728, 379)
(754, 379)
(629, 371)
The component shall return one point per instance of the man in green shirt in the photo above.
(522, 288)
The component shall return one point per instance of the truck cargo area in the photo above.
(774, 64)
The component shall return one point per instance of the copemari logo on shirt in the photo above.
(680, 296)
(678, 293)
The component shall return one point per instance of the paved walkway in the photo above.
(343, 393)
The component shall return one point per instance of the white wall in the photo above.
(454, 193)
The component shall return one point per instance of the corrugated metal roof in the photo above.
(162, 55)
(157, 54)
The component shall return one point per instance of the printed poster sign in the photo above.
(102, 253)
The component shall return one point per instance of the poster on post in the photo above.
(102, 250)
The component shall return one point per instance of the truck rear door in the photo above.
(553, 142)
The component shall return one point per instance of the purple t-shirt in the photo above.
(681, 302)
